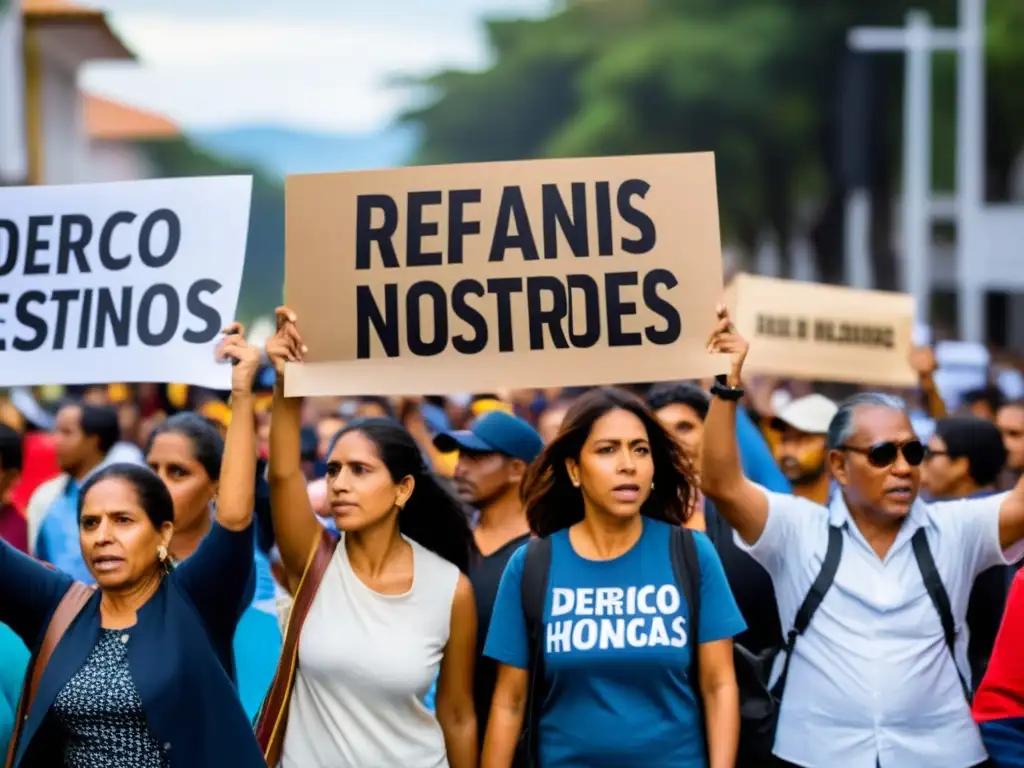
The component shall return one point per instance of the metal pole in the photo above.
(858, 270)
(917, 159)
(970, 168)
(13, 151)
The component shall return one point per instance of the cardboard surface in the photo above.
(823, 332)
(431, 280)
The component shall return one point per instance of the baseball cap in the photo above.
(811, 414)
(494, 432)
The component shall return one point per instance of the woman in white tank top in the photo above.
(393, 610)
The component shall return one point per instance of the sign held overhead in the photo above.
(120, 282)
(537, 273)
(824, 332)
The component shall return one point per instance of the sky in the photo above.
(321, 65)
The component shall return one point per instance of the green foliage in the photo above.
(758, 82)
(263, 276)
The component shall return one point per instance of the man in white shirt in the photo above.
(872, 681)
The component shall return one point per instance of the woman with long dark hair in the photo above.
(611, 671)
(382, 608)
(138, 672)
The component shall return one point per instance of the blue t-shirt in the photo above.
(617, 652)
(258, 640)
(14, 658)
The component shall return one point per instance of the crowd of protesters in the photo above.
(717, 573)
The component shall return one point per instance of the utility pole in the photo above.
(916, 40)
(13, 151)
(970, 168)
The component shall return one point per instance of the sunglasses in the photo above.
(884, 454)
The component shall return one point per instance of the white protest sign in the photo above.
(125, 282)
(963, 366)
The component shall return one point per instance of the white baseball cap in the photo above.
(810, 414)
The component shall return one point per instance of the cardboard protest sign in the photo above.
(120, 282)
(823, 332)
(494, 275)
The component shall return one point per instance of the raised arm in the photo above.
(740, 501)
(295, 526)
(236, 500)
(922, 360)
(220, 576)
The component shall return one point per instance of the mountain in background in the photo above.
(280, 151)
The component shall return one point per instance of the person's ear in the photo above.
(516, 471)
(405, 489)
(960, 466)
(838, 466)
(572, 468)
(166, 533)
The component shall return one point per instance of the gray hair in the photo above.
(841, 426)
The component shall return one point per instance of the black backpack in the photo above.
(760, 702)
(686, 569)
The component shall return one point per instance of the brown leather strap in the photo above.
(67, 611)
(273, 716)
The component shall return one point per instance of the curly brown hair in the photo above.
(553, 503)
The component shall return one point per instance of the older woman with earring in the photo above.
(136, 671)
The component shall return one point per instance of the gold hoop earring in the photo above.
(162, 554)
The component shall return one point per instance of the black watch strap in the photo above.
(722, 390)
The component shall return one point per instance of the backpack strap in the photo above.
(70, 605)
(811, 603)
(272, 720)
(716, 528)
(939, 597)
(686, 569)
(534, 591)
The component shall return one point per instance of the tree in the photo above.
(759, 83)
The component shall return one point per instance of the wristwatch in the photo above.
(722, 390)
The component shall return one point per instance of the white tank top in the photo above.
(366, 661)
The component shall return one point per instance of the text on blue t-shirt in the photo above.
(617, 646)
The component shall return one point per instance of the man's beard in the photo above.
(802, 476)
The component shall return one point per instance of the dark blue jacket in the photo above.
(180, 653)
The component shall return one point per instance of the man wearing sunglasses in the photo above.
(879, 677)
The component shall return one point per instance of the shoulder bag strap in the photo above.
(70, 605)
(939, 597)
(811, 602)
(534, 591)
(272, 719)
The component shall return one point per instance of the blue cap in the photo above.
(494, 432)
